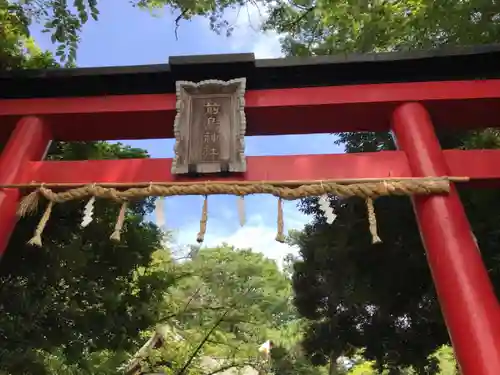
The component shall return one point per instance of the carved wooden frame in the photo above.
(185, 92)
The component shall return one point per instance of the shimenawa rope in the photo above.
(368, 191)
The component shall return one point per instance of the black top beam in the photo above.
(468, 63)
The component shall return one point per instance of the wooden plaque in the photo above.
(209, 127)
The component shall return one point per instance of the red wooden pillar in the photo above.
(28, 142)
(465, 292)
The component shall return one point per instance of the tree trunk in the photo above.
(333, 370)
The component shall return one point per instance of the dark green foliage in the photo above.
(381, 297)
(291, 362)
(80, 292)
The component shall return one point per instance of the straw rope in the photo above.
(366, 190)
(115, 236)
(363, 190)
(372, 221)
(203, 221)
(280, 236)
(36, 240)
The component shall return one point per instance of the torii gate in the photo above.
(409, 94)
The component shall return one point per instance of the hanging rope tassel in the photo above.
(203, 222)
(115, 236)
(280, 237)
(160, 212)
(37, 237)
(372, 220)
(29, 204)
(241, 209)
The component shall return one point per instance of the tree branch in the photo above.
(232, 365)
(296, 21)
(200, 345)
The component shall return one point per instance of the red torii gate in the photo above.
(398, 92)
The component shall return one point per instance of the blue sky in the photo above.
(127, 36)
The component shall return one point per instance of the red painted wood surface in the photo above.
(259, 168)
(470, 307)
(28, 142)
(480, 165)
(454, 104)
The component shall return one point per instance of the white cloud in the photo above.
(248, 34)
(255, 234)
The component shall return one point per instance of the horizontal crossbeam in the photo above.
(454, 104)
(480, 165)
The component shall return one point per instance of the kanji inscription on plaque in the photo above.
(209, 127)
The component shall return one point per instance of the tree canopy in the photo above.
(381, 298)
(80, 292)
(80, 298)
(224, 306)
(17, 48)
(309, 27)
